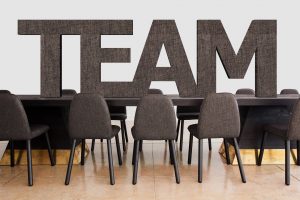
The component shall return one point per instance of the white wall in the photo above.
(20, 55)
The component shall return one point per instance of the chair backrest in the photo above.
(155, 118)
(294, 123)
(13, 123)
(68, 92)
(155, 91)
(289, 91)
(89, 117)
(246, 91)
(219, 117)
(4, 92)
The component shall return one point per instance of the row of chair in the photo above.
(90, 117)
(218, 118)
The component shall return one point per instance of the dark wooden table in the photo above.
(243, 100)
(255, 112)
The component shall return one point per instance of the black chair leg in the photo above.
(172, 152)
(141, 145)
(200, 160)
(227, 152)
(125, 130)
(101, 140)
(93, 145)
(123, 136)
(12, 153)
(118, 149)
(29, 163)
(136, 163)
(110, 162)
(209, 144)
(177, 129)
(171, 155)
(134, 151)
(262, 149)
(49, 150)
(287, 162)
(181, 135)
(71, 158)
(190, 149)
(238, 156)
(82, 151)
(298, 152)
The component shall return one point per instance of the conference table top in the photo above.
(243, 100)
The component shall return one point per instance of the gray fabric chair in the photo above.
(11, 143)
(219, 118)
(244, 110)
(150, 91)
(289, 91)
(154, 120)
(288, 132)
(186, 113)
(89, 119)
(14, 125)
(245, 91)
(154, 91)
(4, 92)
(119, 113)
(68, 92)
(285, 113)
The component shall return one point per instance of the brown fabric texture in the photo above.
(154, 119)
(219, 117)
(89, 118)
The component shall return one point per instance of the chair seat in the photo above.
(277, 129)
(115, 129)
(193, 129)
(118, 116)
(38, 129)
(188, 116)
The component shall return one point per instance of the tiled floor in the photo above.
(155, 178)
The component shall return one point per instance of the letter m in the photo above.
(260, 40)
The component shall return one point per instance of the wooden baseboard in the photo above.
(41, 157)
(249, 156)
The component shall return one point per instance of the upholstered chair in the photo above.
(154, 120)
(89, 118)
(245, 91)
(288, 131)
(289, 91)
(285, 113)
(154, 91)
(150, 91)
(219, 118)
(68, 92)
(14, 126)
(4, 92)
